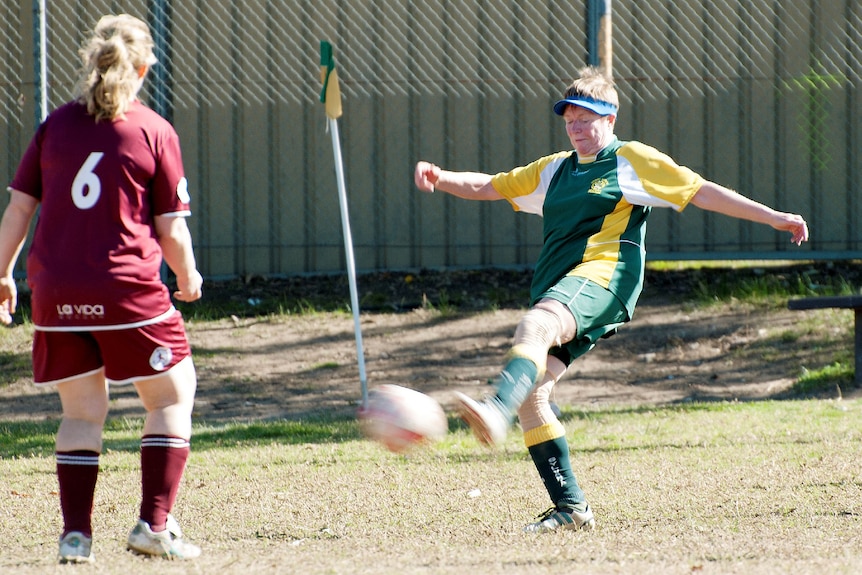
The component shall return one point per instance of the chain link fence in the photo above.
(12, 123)
(759, 95)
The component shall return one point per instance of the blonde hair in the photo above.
(119, 46)
(595, 84)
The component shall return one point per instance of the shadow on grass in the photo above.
(31, 439)
(682, 407)
(23, 439)
(14, 366)
(27, 438)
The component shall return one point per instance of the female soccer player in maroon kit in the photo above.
(107, 175)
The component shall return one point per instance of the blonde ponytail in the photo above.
(112, 57)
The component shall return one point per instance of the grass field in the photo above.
(763, 487)
(768, 487)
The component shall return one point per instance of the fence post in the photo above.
(599, 37)
(160, 25)
(40, 59)
(161, 73)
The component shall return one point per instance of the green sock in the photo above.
(555, 469)
(515, 383)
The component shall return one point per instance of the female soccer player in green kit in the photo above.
(595, 201)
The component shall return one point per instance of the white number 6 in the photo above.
(86, 188)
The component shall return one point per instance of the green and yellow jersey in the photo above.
(595, 212)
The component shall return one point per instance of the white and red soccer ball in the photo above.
(401, 418)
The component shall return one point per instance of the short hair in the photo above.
(593, 83)
(111, 57)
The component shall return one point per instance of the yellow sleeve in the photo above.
(648, 177)
(525, 187)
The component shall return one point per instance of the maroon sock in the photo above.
(163, 460)
(77, 472)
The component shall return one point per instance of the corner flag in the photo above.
(331, 93)
(330, 96)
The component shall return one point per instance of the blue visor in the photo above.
(600, 107)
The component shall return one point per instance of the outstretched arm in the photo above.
(13, 232)
(716, 198)
(466, 185)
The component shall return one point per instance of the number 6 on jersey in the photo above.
(86, 188)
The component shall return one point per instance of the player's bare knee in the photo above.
(79, 434)
(93, 412)
(175, 387)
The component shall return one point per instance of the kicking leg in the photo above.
(548, 323)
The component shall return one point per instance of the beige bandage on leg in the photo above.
(536, 410)
(548, 323)
(535, 413)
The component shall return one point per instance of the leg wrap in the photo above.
(548, 323)
(537, 418)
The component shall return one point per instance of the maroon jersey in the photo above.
(94, 261)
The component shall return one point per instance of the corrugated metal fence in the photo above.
(759, 95)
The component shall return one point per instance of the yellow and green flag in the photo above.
(331, 93)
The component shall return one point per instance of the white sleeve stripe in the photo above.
(634, 191)
(534, 202)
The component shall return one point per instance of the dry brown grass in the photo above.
(764, 487)
(767, 488)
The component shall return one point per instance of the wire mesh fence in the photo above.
(11, 93)
(759, 95)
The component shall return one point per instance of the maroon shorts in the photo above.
(126, 354)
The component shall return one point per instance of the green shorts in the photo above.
(598, 313)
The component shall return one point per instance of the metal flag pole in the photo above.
(330, 96)
(600, 51)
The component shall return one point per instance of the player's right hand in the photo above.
(426, 175)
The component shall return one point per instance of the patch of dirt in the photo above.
(443, 332)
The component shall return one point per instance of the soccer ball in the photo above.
(402, 418)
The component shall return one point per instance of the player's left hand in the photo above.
(795, 224)
(189, 288)
(8, 299)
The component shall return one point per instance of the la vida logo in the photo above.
(81, 310)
